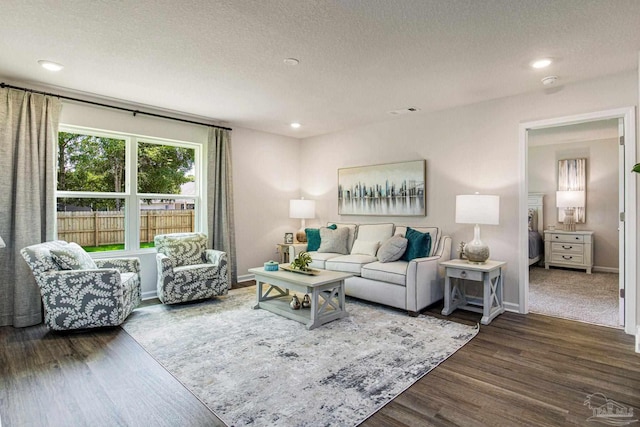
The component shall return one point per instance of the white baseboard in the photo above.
(605, 270)
(149, 295)
(512, 307)
(245, 278)
(638, 339)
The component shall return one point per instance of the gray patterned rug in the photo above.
(575, 295)
(252, 367)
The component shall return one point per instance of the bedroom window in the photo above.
(117, 191)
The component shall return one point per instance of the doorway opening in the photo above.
(537, 133)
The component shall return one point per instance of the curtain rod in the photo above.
(135, 112)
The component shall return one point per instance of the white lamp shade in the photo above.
(570, 199)
(2, 245)
(478, 209)
(302, 208)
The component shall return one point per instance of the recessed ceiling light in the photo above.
(541, 63)
(295, 125)
(50, 65)
(291, 61)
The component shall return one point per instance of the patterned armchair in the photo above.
(187, 270)
(79, 292)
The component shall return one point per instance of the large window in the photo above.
(117, 191)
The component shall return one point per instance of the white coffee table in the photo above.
(326, 290)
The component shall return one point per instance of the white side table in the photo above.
(489, 273)
(283, 251)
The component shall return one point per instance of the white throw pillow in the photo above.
(363, 247)
(393, 249)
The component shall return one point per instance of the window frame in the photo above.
(130, 194)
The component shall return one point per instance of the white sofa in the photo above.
(408, 285)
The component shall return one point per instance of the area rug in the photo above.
(575, 295)
(253, 367)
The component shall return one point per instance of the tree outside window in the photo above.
(94, 175)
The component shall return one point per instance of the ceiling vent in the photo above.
(404, 111)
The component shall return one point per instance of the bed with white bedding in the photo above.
(536, 227)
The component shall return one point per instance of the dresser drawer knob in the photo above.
(567, 257)
(567, 247)
(463, 274)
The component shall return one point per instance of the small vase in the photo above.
(306, 301)
(295, 303)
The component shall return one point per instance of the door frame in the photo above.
(628, 114)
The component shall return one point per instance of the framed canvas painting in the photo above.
(572, 175)
(392, 189)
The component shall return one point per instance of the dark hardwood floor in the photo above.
(519, 370)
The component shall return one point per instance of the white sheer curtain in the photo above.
(220, 222)
(28, 137)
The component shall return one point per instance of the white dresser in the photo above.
(572, 249)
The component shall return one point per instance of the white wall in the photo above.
(265, 176)
(601, 184)
(471, 148)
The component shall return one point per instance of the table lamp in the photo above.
(570, 200)
(477, 209)
(302, 209)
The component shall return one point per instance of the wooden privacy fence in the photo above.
(107, 228)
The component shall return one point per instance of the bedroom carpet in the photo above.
(253, 367)
(575, 295)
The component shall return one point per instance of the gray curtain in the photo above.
(220, 222)
(28, 137)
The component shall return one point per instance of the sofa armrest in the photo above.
(296, 249)
(123, 265)
(215, 257)
(219, 259)
(165, 264)
(425, 277)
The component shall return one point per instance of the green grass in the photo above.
(120, 247)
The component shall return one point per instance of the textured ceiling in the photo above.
(358, 59)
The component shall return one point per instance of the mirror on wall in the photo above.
(572, 176)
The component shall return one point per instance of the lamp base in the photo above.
(301, 236)
(476, 254)
(476, 251)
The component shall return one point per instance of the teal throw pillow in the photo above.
(313, 237)
(418, 244)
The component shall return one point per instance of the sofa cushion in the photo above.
(313, 237)
(392, 272)
(349, 263)
(433, 231)
(73, 257)
(361, 247)
(392, 249)
(374, 232)
(353, 228)
(334, 240)
(418, 244)
(319, 258)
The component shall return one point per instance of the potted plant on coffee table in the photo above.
(301, 262)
